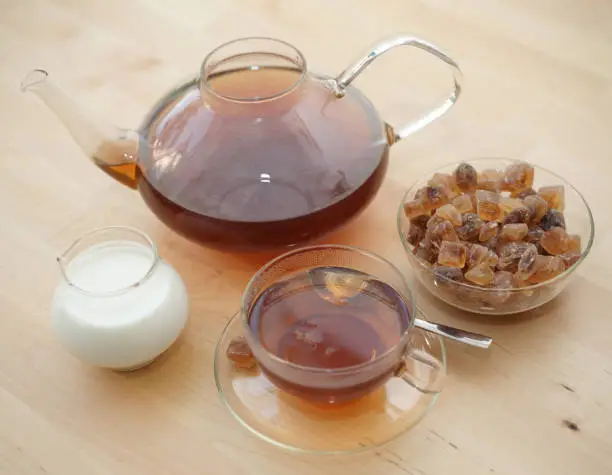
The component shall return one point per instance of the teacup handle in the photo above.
(424, 364)
(349, 74)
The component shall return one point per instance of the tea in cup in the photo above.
(331, 324)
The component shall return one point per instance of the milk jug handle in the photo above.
(350, 73)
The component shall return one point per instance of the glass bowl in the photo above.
(489, 300)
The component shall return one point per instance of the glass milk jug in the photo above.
(118, 305)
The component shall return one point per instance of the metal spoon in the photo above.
(462, 336)
(340, 287)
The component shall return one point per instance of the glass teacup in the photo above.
(331, 324)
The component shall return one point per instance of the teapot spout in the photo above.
(113, 150)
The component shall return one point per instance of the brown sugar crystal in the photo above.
(518, 215)
(487, 205)
(442, 232)
(534, 234)
(447, 274)
(518, 177)
(477, 253)
(417, 230)
(511, 253)
(490, 180)
(508, 204)
(537, 207)
(415, 234)
(451, 214)
(418, 195)
(526, 264)
(470, 229)
(573, 244)
(513, 232)
(523, 194)
(239, 353)
(466, 177)
(493, 244)
(434, 196)
(414, 208)
(554, 196)
(552, 219)
(555, 241)
(546, 268)
(434, 221)
(445, 180)
(426, 252)
(488, 230)
(452, 254)
(463, 203)
(503, 280)
(481, 274)
(570, 258)
(503, 283)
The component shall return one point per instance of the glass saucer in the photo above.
(298, 425)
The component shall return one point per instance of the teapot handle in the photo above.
(349, 74)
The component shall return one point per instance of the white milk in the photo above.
(113, 315)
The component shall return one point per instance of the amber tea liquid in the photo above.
(304, 321)
(254, 175)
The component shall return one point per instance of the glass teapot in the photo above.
(256, 152)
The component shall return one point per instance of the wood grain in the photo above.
(538, 87)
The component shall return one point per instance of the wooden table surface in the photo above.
(538, 86)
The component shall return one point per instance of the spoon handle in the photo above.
(462, 336)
